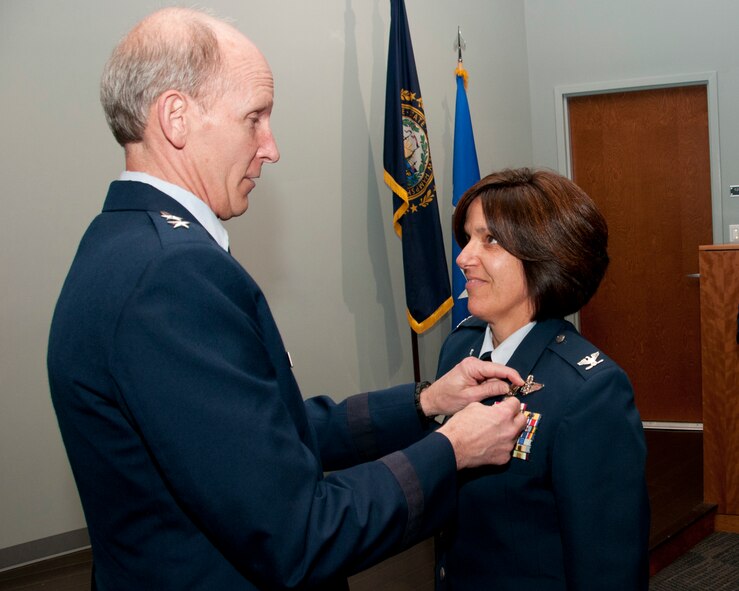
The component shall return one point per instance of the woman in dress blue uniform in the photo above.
(570, 510)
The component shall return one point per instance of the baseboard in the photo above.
(687, 533)
(728, 523)
(57, 545)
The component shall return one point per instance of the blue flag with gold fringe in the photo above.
(465, 173)
(410, 175)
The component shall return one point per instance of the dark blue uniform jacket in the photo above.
(198, 463)
(572, 516)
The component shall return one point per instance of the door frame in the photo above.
(564, 161)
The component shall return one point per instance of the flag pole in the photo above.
(465, 172)
(414, 346)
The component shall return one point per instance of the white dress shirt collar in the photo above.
(504, 351)
(190, 202)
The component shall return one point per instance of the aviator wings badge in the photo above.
(528, 387)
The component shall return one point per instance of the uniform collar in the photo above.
(194, 206)
(503, 352)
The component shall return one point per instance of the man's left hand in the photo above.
(471, 380)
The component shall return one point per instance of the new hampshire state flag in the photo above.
(410, 175)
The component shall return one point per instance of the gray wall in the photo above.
(318, 234)
(581, 42)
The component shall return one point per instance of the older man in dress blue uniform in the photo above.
(198, 463)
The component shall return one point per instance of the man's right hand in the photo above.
(482, 435)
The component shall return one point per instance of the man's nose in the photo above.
(270, 153)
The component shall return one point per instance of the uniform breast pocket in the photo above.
(529, 468)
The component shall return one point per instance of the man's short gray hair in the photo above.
(180, 52)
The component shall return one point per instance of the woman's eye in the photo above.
(491, 240)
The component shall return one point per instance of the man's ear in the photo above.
(172, 107)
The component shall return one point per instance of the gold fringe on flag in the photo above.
(460, 71)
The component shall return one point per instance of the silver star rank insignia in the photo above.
(175, 221)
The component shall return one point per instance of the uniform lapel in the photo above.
(528, 352)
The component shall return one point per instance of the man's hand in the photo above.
(482, 435)
(471, 380)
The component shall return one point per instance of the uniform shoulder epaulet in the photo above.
(581, 354)
(173, 228)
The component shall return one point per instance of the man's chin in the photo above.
(237, 211)
(240, 204)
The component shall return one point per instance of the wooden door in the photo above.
(643, 156)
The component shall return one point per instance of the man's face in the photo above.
(231, 139)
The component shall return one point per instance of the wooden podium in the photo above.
(719, 297)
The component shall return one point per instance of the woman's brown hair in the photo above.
(552, 226)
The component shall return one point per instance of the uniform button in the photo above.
(560, 338)
(442, 573)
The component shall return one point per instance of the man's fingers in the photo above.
(487, 370)
(511, 404)
(511, 409)
(493, 387)
(485, 434)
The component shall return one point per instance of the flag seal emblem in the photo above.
(418, 169)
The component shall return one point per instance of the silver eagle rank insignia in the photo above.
(591, 360)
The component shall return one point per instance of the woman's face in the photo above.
(496, 284)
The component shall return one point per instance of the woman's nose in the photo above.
(464, 256)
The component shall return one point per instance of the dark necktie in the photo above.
(487, 356)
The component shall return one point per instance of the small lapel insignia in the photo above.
(175, 221)
(591, 360)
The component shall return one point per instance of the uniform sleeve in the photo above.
(599, 483)
(365, 426)
(197, 377)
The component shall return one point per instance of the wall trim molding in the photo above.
(36, 550)
(672, 426)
